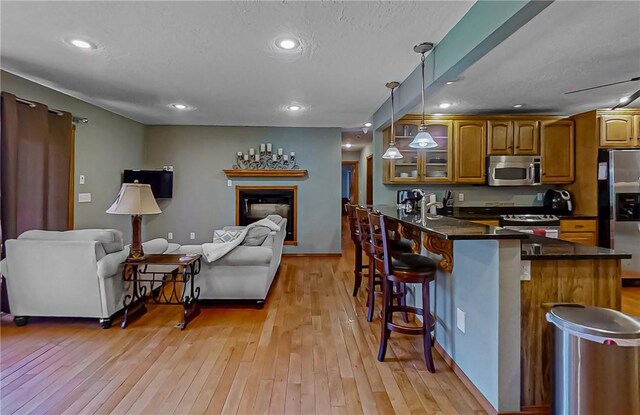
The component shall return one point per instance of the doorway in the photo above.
(369, 186)
(349, 184)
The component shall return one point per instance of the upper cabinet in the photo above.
(432, 165)
(519, 137)
(617, 131)
(636, 129)
(526, 138)
(470, 150)
(557, 151)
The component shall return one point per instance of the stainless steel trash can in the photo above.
(596, 361)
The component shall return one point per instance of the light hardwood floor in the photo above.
(310, 350)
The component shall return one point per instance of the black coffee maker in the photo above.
(558, 202)
(410, 198)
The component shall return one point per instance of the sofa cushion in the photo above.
(256, 236)
(246, 255)
(155, 246)
(110, 239)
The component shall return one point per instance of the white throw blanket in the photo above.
(214, 251)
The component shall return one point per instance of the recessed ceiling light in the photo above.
(288, 43)
(445, 105)
(624, 99)
(180, 106)
(82, 44)
(368, 124)
(348, 145)
(294, 107)
(518, 106)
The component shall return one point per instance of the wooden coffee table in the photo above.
(164, 278)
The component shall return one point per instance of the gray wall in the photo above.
(202, 202)
(103, 148)
(385, 194)
(362, 183)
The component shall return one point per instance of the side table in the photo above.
(164, 278)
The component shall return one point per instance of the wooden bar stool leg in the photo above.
(371, 296)
(402, 300)
(387, 288)
(426, 328)
(357, 270)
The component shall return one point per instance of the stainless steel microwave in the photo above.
(514, 171)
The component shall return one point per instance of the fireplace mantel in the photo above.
(265, 173)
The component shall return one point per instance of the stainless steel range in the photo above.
(542, 225)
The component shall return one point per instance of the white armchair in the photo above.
(68, 274)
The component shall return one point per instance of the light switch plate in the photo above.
(460, 197)
(192, 235)
(84, 197)
(229, 183)
(460, 323)
(539, 197)
(81, 179)
(525, 272)
(170, 235)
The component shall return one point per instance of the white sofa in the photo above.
(69, 274)
(245, 273)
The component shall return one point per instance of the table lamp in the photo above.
(135, 199)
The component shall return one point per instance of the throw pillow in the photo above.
(220, 237)
(256, 236)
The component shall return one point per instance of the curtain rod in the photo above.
(75, 119)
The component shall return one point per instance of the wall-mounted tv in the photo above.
(161, 181)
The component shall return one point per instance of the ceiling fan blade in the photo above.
(632, 98)
(637, 78)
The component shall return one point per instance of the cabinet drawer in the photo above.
(585, 238)
(578, 225)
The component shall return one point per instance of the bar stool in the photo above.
(358, 267)
(401, 269)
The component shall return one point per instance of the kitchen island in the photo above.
(491, 293)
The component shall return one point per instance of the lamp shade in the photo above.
(423, 140)
(392, 153)
(134, 199)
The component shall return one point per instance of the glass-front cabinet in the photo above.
(432, 165)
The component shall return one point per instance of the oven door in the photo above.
(513, 171)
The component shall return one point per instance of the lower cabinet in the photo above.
(582, 231)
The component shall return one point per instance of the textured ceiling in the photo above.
(568, 46)
(357, 138)
(220, 56)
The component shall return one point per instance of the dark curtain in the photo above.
(35, 148)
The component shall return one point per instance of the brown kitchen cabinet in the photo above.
(617, 130)
(488, 222)
(557, 151)
(636, 129)
(421, 166)
(582, 231)
(470, 151)
(513, 137)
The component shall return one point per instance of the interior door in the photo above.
(369, 196)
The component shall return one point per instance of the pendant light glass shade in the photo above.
(392, 152)
(423, 139)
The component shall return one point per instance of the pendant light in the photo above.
(423, 139)
(392, 152)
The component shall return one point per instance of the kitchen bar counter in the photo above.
(448, 227)
(494, 212)
(539, 247)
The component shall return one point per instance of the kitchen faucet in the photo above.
(424, 205)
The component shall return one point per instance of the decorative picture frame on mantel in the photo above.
(264, 162)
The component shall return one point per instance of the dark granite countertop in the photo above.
(446, 227)
(539, 247)
(494, 212)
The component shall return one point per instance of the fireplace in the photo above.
(256, 202)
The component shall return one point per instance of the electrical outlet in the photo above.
(229, 183)
(539, 197)
(84, 197)
(192, 235)
(170, 235)
(460, 197)
(460, 320)
(82, 179)
(525, 271)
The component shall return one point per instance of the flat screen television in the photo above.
(161, 181)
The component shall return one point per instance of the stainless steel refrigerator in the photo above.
(619, 207)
